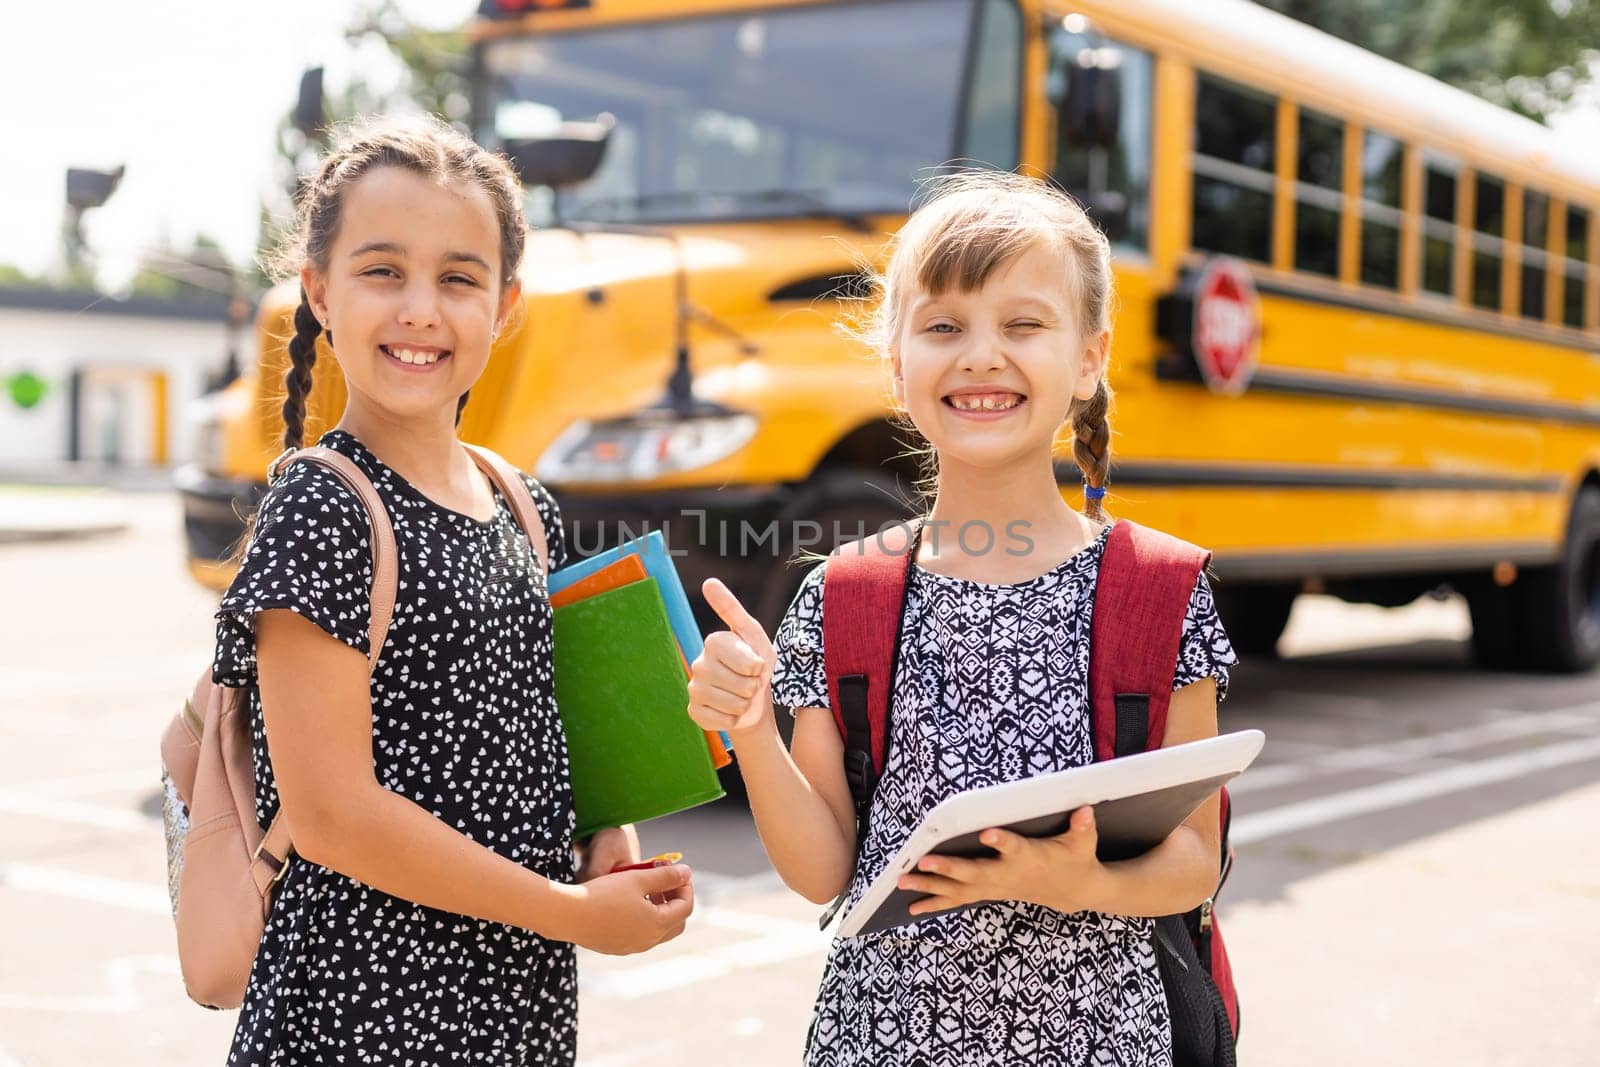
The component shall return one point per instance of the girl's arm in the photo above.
(1182, 871)
(1063, 873)
(317, 708)
(800, 799)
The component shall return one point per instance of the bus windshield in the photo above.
(810, 111)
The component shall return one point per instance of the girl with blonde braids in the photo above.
(429, 912)
(995, 325)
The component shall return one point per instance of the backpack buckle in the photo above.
(283, 864)
(833, 909)
(1206, 907)
(859, 774)
(274, 468)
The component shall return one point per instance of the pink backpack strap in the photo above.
(515, 490)
(1140, 602)
(269, 861)
(385, 565)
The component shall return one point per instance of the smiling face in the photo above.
(988, 376)
(412, 291)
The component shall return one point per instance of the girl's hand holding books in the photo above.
(730, 683)
(1058, 872)
(608, 848)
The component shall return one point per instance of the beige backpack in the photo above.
(221, 867)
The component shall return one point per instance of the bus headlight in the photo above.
(205, 417)
(639, 448)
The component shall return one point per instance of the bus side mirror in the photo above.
(308, 107)
(569, 154)
(1087, 92)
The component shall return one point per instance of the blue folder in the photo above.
(652, 549)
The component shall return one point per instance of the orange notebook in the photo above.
(623, 572)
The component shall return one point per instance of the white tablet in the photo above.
(1138, 800)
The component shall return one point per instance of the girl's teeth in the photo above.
(406, 355)
(985, 403)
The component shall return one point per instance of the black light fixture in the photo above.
(86, 189)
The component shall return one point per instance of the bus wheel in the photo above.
(1561, 604)
(1254, 616)
(1496, 640)
(852, 499)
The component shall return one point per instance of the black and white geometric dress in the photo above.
(991, 686)
(464, 723)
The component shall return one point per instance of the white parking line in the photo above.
(1291, 817)
(144, 897)
(782, 940)
(120, 997)
(18, 802)
(145, 673)
(657, 1051)
(773, 940)
(1368, 757)
(100, 781)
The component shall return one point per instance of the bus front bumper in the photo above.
(214, 514)
(710, 532)
(730, 534)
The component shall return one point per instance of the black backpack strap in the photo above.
(1133, 723)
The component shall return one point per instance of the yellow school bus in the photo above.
(1357, 344)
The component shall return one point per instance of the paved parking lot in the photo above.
(1416, 882)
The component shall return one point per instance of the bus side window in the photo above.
(1577, 270)
(1535, 242)
(1235, 150)
(1319, 175)
(991, 131)
(1381, 161)
(1438, 227)
(1102, 93)
(1489, 218)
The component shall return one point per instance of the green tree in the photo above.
(12, 277)
(201, 273)
(1528, 55)
(433, 78)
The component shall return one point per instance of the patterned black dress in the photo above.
(991, 686)
(464, 723)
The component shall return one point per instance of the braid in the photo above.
(1092, 445)
(297, 382)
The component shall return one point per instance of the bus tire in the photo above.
(1560, 613)
(1496, 635)
(1254, 616)
(846, 496)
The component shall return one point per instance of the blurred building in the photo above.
(91, 379)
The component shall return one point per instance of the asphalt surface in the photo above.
(1417, 880)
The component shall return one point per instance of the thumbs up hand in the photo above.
(730, 682)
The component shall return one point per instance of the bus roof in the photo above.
(1256, 45)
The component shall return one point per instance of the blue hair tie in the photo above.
(1092, 493)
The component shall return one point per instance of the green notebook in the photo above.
(624, 699)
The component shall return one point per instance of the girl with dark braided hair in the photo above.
(995, 325)
(429, 911)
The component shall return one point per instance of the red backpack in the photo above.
(1141, 597)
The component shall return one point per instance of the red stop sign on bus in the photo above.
(1227, 326)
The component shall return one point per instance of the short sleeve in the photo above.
(550, 514)
(800, 678)
(310, 553)
(1205, 650)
